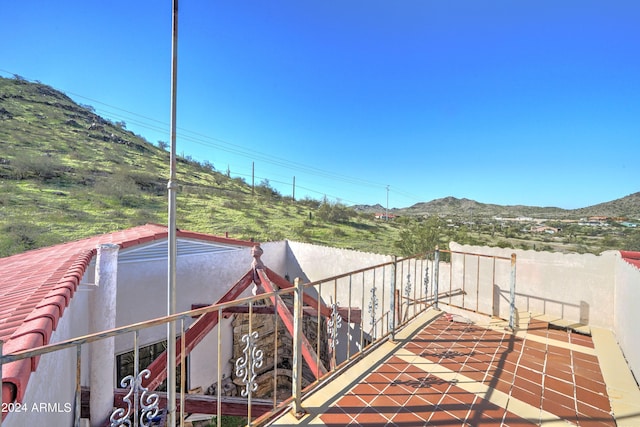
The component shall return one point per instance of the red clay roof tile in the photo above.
(38, 285)
(631, 257)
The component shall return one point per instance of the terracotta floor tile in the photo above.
(558, 335)
(417, 405)
(449, 403)
(559, 386)
(583, 357)
(428, 396)
(532, 364)
(440, 417)
(386, 406)
(462, 395)
(536, 353)
(504, 375)
(553, 372)
(506, 365)
(531, 344)
(371, 419)
(351, 404)
(458, 414)
(592, 372)
(487, 408)
(531, 387)
(405, 418)
(529, 374)
(434, 383)
(596, 423)
(588, 412)
(365, 391)
(562, 399)
(558, 410)
(514, 421)
(336, 419)
(594, 399)
(409, 381)
(525, 396)
(589, 384)
(553, 349)
(500, 385)
(379, 381)
(584, 340)
(559, 361)
(474, 375)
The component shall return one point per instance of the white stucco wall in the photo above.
(275, 256)
(314, 262)
(627, 315)
(572, 287)
(54, 381)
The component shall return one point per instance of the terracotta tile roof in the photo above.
(632, 258)
(36, 287)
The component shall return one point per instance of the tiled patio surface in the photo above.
(458, 374)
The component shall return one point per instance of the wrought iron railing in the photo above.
(354, 311)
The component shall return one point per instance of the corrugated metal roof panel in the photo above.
(157, 250)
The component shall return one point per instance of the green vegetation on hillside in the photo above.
(66, 173)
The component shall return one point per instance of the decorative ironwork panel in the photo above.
(373, 306)
(426, 281)
(142, 406)
(334, 323)
(247, 364)
(407, 287)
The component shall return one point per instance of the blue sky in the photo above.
(506, 102)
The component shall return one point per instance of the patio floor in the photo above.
(443, 372)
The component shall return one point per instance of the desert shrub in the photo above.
(334, 212)
(119, 187)
(43, 167)
(18, 237)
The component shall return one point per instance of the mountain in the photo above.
(627, 207)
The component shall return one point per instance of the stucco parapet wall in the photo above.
(334, 249)
(575, 287)
(315, 262)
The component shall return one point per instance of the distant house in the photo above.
(385, 216)
(545, 229)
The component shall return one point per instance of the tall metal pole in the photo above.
(172, 252)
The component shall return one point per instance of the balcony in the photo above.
(471, 336)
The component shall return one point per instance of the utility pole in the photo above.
(172, 244)
(253, 178)
(294, 188)
(386, 215)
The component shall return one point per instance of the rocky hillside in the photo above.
(67, 173)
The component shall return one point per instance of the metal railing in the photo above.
(330, 323)
(473, 276)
